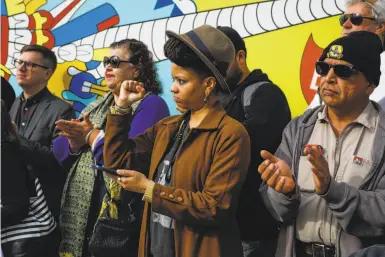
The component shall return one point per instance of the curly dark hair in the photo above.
(141, 57)
(182, 55)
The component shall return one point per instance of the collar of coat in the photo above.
(210, 122)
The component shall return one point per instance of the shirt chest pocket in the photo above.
(354, 171)
(305, 175)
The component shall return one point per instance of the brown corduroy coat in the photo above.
(208, 174)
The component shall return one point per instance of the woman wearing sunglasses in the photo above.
(197, 161)
(81, 143)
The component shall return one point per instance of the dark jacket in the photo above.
(14, 190)
(36, 145)
(208, 174)
(372, 251)
(270, 113)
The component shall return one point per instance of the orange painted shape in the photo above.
(63, 13)
(310, 55)
(108, 23)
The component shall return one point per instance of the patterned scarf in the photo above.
(78, 188)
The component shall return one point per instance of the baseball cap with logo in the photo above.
(212, 46)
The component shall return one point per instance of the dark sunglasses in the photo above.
(341, 70)
(113, 60)
(355, 18)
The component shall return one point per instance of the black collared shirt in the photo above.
(26, 110)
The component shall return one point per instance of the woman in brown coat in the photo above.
(189, 167)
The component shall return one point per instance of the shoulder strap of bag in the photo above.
(247, 95)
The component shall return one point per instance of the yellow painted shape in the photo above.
(100, 53)
(32, 6)
(39, 20)
(279, 54)
(15, 7)
(60, 80)
(204, 5)
(4, 70)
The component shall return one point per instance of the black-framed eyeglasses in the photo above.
(28, 65)
(114, 61)
(341, 70)
(355, 18)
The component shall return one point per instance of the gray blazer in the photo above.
(36, 145)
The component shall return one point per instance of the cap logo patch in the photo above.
(335, 52)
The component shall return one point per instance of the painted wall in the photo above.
(283, 37)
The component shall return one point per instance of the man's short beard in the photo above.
(234, 78)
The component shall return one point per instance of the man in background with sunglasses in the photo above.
(368, 15)
(326, 181)
(35, 112)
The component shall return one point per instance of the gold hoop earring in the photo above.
(206, 100)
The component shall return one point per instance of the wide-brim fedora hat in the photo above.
(212, 46)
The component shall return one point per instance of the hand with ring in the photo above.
(133, 181)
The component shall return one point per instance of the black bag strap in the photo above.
(119, 202)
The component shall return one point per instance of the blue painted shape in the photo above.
(78, 106)
(164, 72)
(3, 8)
(83, 26)
(77, 82)
(92, 65)
(70, 96)
(176, 11)
(163, 3)
(12, 80)
(129, 11)
(50, 5)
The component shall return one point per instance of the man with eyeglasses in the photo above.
(326, 181)
(368, 15)
(35, 112)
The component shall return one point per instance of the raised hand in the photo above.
(75, 130)
(319, 167)
(276, 173)
(130, 92)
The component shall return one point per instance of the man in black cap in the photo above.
(262, 108)
(326, 181)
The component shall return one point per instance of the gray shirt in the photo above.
(350, 159)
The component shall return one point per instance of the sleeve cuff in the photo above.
(99, 137)
(147, 197)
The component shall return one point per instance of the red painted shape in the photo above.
(310, 55)
(108, 23)
(34, 39)
(32, 23)
(51, 39)
(63, 13)
(48, 16)
(4, 39)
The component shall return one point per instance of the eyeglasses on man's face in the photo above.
(28, 65)
(355, 18)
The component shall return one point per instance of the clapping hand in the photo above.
(276, 173)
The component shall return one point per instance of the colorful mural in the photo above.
(283, 37)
